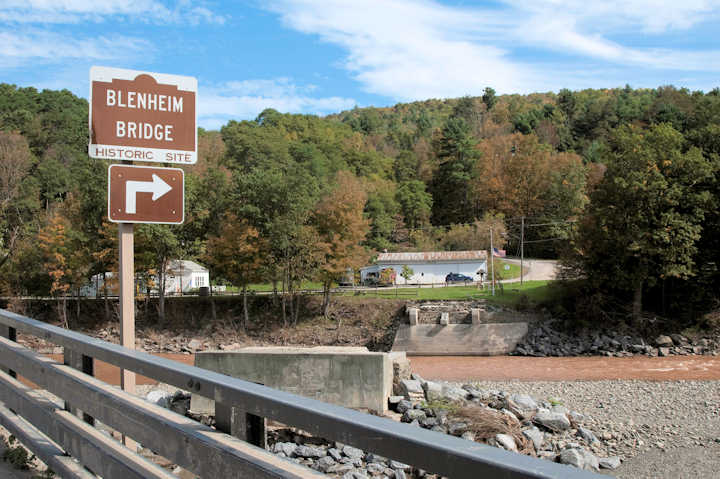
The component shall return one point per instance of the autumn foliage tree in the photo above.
(63, 261)
(238, 255)
(341, 228)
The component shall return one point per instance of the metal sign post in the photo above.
(149, 117)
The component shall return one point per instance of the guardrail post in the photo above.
(82, 363)
(239, 423)
(11, 334)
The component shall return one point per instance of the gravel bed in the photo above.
(661, 429)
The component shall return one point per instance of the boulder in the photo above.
(433, 391)
(554, 421)
(413, 415)
(587, 435)
(454, 393)
(536, 436)
(590, 462)
(412, 390)
(309, 451)
(159, 397)
(506, 441)
(524, 402)
(325, 463)
(609, 462)
(403, 406)
(353, 452)
(572, 457)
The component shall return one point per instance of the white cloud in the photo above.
(410, 50)
(76, 11)
(248, 98)
(415, 49)
(20, 48)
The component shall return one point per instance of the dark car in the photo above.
(453, 277)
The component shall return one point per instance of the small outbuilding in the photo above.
(428, 267)
(184, 276)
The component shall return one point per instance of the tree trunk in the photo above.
(77, 306)
(64, 312)
(213, 311)
(161, 295)
(246, 316)
(107, 302)
(297, 309)
(637, 302)
(326, 298)
(284, 314)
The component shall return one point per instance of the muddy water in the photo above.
(595, 368)
(500, 368)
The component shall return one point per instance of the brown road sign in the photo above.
(142, 116)
(142, 194)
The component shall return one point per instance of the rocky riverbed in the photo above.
(661, 429)
(545, 339)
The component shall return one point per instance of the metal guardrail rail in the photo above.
(200, 449)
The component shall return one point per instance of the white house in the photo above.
(429, 267)
(184, 276)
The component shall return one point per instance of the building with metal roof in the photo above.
(429, 267)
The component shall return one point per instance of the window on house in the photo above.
(199, 281)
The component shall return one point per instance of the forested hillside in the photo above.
(622, 183)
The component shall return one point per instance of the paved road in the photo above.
(536, 269)
(591, 368)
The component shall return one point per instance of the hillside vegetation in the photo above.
(621, 183)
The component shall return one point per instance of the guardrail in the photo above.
(34, 418)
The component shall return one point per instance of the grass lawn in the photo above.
(269, 286)
(510, 295)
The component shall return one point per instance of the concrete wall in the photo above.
(459, 339)
(350, 377)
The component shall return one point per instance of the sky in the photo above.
(325, 56)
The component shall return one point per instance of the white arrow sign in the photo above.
(157, 187)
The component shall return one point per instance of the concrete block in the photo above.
(486, 339)
(413, 316)
(445, 318)
(350, 377)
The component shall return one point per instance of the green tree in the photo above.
(645, 216)
(407, 273)
(489, 98)
(415, 203)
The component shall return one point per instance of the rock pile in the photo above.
(545, 429)
(543, 340)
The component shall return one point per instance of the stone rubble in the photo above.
(553, 432)
(543, 340)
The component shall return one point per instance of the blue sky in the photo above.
(313, 56)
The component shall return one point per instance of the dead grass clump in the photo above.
(487, 423)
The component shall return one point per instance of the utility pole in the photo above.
(522, 246)
(492, 262)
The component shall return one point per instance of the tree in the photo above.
(237, 254)
(155, 247)
(65, 260)
(489, 98)
(407, 273)
(15, 163)
(645, 216)
(341, 229)
(451, 185)
(415, 203)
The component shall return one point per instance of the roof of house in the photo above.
(432, 256)
(178, 265)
